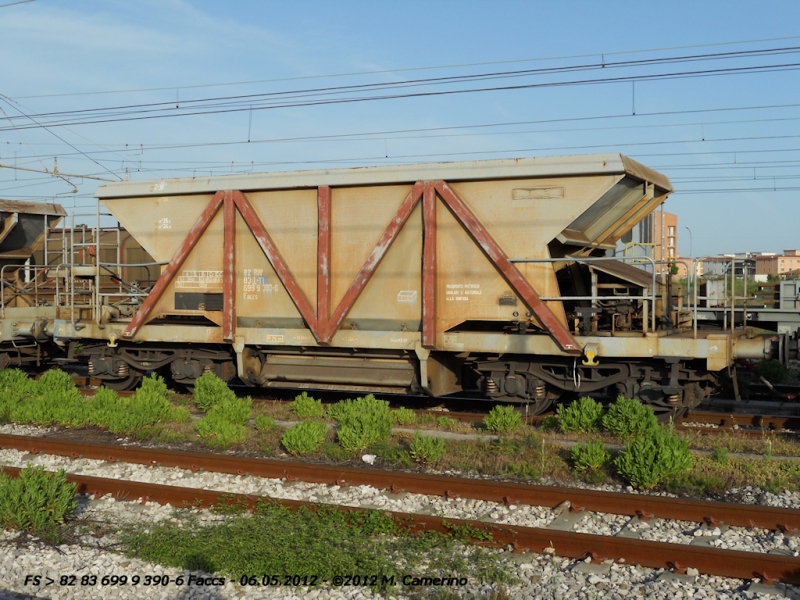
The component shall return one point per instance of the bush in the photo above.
(362, 422)
(772, 370)
(581, 416)
(56, 379)
(305, 407)
(102, 405)
(15, 386)
(210, 390)
(627, 418)
(225, 423)
(305, 437)
(264, 423)
(404, 416)
(146, 407)
(17, 383)
(52, 399)
(218, 432)
(426, 449)
(591, 455)
(654, 457)
(36, 500)
(502, 419)
(236, 410)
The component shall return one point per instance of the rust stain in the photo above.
(229, 269)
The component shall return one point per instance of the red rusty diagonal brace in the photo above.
(509, 271)
(276, 260)
(375, 258)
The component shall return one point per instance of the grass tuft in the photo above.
(426, 449)
(308, 542)
(580, 416)
(502, 419)
(306, 407)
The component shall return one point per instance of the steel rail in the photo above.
(656, 555)
(724, 421)
(641, 505)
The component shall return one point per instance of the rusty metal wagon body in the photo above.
(436, 278)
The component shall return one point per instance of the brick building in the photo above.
(778, 264)
(668, 232)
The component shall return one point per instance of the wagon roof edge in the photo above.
(505, 168)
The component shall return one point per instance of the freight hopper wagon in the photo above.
(489, 276)
(27, 300)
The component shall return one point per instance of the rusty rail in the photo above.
(700, 511)
(712, 561)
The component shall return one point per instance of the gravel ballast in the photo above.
(537, 576)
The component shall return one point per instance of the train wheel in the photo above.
(538, 406)
(126, 383)
(668, 413)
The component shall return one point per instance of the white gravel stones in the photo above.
(29, 430)
(539, 575)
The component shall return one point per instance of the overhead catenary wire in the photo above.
(124, 114)
(413, 69)
(451, 131)
(54, 134)
(451, 79)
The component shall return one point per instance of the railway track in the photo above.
(574, 505)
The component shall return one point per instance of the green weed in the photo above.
(15, 387)
(36, 501)
(447, 423)
(146, 407)
(264, 423)
(590, 456)
(720, 456)
(319, 542)
(426, 449)
(362, 422)
(581, 416)
(305, 437)
(225, 423)
(502, 419)
(654, 457)
(772, 370)
(306, 407)
(627, 418)
(522, 469)
(179, 414)
(404, 416)
(210, 390)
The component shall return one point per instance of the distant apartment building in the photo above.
(665, 243)
(787, 263)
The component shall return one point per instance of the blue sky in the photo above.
(79, 55)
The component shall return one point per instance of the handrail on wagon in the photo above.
(732, 264)
(590, 259)
(37, 269)
(651, 298)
